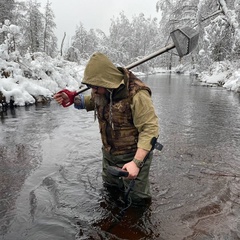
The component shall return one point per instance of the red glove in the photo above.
(70, 95)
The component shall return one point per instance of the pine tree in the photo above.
(49, 38)
(34, 27)
(6, 13)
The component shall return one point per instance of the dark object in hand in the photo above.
(117, 172)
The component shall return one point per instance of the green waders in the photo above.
(140, 195)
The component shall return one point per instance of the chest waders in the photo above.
(118, 172)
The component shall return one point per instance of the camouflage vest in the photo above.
(118, 133)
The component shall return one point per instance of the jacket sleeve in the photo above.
(144, 119)
(89, 103)
(84, 102)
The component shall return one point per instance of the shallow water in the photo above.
(50, 163)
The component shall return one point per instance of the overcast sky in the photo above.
(95, 13)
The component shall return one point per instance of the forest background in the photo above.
(29, 47)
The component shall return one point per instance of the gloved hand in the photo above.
(63, 100)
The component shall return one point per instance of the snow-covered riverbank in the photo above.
(223, 74)
(44, 76)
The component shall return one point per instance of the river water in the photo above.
(50, 171)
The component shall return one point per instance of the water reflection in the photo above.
(50, 161)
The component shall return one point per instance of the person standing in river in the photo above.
(127, 122)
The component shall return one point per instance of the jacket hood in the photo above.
(101, 72)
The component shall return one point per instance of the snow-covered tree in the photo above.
(6, 13)
(87, 42)
(80, 40)
(12, 35)
(49, 38)
(33, 27)
(145, 39)
(6, 10)
(119, 39)
(219, 31)
(102, 39)
(133, 39)
(216, 21)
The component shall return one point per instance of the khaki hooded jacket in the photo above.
(101, 72)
